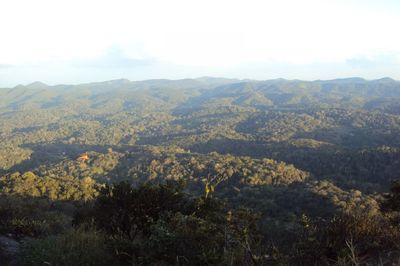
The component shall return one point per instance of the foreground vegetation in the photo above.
(160, 224)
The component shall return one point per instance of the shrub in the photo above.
(76, 247)
(161, 224)
(355, 238)
(26, 216)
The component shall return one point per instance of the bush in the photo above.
(161, 224)
(76, 247)
(26, 216)
(355, 239)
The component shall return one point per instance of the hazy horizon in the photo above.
(73, 42)
(195, 78)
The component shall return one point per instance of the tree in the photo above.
(392, 200)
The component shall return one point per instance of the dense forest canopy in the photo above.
(295, 159)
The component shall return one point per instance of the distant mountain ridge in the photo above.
(184, 94)
(210, 80)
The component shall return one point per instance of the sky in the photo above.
(76, 41)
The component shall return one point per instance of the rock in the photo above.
(8, 250)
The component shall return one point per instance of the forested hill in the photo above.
(259, 169)
(346, 130)
(125, 95)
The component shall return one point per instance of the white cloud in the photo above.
(210, 34)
